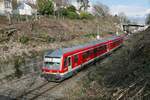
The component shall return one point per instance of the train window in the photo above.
(84, 55)
(69, 61)
(65, 62)
(95, 51)
(116, 42)
(88, 53)
(76, 58)
(52, 63)
(103, 47)
(91, 52)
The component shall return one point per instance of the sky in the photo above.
(134, 9)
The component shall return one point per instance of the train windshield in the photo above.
(52, 63)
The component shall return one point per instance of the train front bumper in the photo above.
(53, 77)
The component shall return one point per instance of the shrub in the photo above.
(24, 39)
(111, 33)
(72, 15)
(69, 12)
(18, 61)
(61, 11)
(45, 7)
(50, 39)
(72, 8)
(85, 15)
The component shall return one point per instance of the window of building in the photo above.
(7, 3)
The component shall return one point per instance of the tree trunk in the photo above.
(9, 18)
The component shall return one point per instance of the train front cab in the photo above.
(51, 68)
(57, 69)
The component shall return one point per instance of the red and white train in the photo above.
(63, 63)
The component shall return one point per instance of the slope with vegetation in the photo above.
(24, 41)
(126, 74)
(29, 39)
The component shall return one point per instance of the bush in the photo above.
(72, 8)
(18, 61)
(69, 12)
(111, 33)
(24, 39)
(50, 39)
(45, 7)
(61, 11)
(72, 15)
(85, 15)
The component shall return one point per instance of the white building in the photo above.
(24, 9)
(27, 1)
(5, 6)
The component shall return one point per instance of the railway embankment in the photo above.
(125, 75)
(23, 44)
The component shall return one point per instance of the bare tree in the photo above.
(147, 21)
(84, 4)
(123, 18)
(100, 9)
(14, 4)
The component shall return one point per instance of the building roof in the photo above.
(61, 51)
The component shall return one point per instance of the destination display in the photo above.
(52, 59)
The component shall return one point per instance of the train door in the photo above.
(69, 64)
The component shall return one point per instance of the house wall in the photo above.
(29, 1)
(5, 6)
(24, 9)
(2, 8)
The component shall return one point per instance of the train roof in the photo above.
(59, 52)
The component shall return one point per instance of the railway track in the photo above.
(43, 90)
(132, 90)
(38, 91)
(15, 80)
